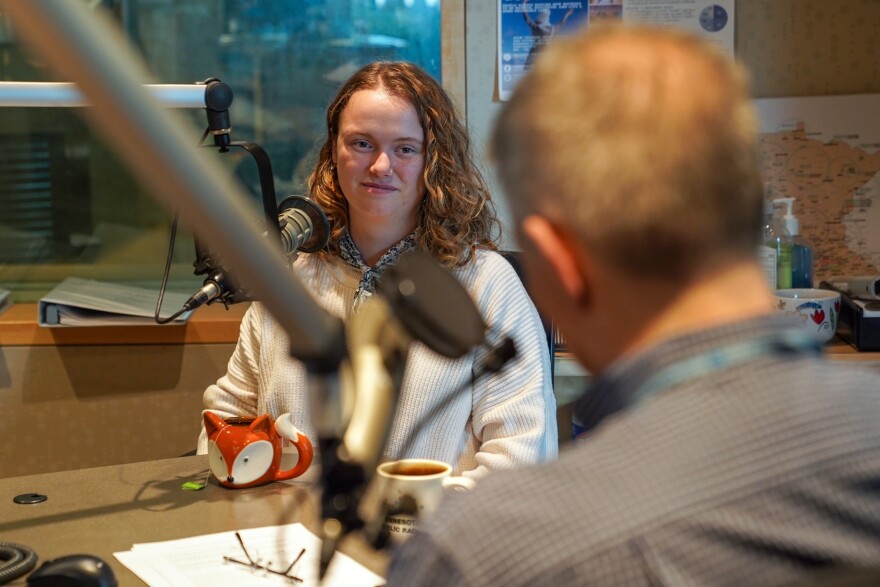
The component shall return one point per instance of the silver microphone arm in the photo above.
(67, 95)
(378, 345)
(371, 377)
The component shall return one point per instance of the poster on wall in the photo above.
(823, 152)
(524, 26)
(713, 21)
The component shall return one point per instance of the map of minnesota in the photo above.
(836, 186)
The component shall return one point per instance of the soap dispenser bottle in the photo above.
(776, 246)
(801, 251)
(767, 249)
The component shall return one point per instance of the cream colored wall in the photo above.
(72, 407)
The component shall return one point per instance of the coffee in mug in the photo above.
(412, 468)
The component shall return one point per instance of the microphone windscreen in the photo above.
(432, 305)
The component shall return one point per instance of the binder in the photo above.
(85, 302)
(5, 299)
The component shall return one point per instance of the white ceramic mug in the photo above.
(422, 480)
(817, 310)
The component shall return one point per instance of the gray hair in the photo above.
(642, 141)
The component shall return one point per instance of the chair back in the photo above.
(515, 260)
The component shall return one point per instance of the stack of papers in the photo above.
(84, 302)
(202, 560)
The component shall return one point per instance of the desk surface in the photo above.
(107, 509)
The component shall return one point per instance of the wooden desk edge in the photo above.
(212, 324)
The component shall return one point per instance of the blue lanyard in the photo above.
(726, 356)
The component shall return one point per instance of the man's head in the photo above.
(642, 142)
(634, 148)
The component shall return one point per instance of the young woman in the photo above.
(395, 172)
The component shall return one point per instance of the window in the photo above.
(69, 208)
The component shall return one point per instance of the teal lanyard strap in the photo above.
(726, 356)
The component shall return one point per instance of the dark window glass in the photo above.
(67, 205)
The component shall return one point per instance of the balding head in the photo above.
(641, 141)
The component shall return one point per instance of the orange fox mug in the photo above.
(246, 452)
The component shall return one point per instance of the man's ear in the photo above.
(562, 254)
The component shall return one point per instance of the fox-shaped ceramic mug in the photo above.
(246, 452)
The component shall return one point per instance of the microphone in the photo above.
(302, 225)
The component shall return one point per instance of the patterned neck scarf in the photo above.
(370, 275)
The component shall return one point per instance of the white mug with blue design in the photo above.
(817, 310)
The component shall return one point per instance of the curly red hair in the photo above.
(456, 216)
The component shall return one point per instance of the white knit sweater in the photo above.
(506, 420)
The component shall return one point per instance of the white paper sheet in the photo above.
(199, 561)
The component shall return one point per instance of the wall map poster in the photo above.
(825, 152)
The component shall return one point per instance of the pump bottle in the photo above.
(801, 251)
(766, 252)
(775, 250)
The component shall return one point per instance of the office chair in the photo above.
(515, 260)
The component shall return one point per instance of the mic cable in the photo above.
(168, 258)
(16, 560)
(173, 238)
